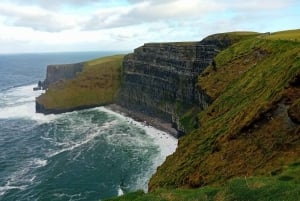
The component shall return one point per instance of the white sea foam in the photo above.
(166, 143)
(7, 187)
(71, 145)
(22, 178)
(109, 124)
(19, 102)
(120, 191)
(39, 162)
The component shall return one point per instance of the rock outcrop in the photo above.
(61, 72)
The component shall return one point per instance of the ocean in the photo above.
(83, 155)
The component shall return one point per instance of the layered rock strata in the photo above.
(159, 78)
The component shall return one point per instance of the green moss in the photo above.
(189, 119)
(97, 84)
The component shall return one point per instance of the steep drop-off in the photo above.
(159, 79)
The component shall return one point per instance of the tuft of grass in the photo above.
(97, 84)
(189, 119)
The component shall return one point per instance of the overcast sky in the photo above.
(89, 25)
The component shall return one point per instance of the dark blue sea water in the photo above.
(82, 155)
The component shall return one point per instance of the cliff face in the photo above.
(61, 72)
(159, 79)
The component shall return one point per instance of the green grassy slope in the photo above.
(97, 84)
(292, 35)
(246, 130)
(283, 184)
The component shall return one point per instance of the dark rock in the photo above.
(37, 88)
(159, 76)
(294, 112)
(61, 72)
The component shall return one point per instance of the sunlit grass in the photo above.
(97, 84)
(291, 35)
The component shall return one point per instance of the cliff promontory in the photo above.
(78, 86)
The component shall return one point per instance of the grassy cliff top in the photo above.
(292, 35)
(233, 37)
(230, 36)
(97, 84)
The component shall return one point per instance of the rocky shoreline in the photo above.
(148, 120)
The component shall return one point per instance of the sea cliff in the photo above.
(157, 80)
(236, 97)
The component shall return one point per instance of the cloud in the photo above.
(37, 18)
(54, 3)
(62, 25)
(40, 16)
(148, 11)
(258, 5)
